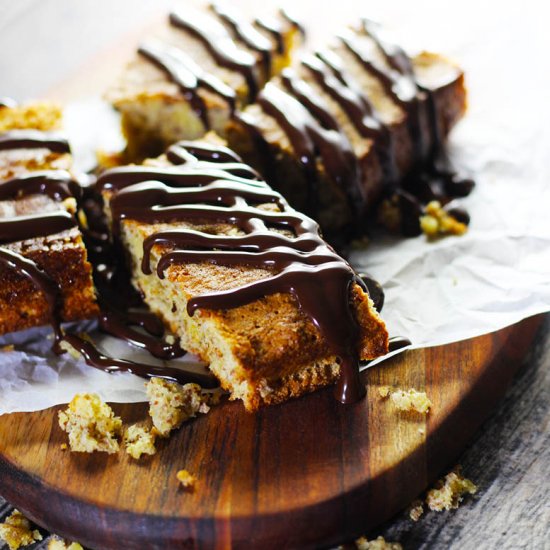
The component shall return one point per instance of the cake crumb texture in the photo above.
(384, 391)
(436, 222)
(411, 400)
(91, 425)
(139, 440)
(60, 544)
(16, 531)
(449, 492)
(416, 510)
(376, 544)
(171, 404)
(187, 480)
(36, 116)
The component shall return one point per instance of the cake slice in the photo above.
(244, 280)
(347, 124)
(192, 76)
(43, 262)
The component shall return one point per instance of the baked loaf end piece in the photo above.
(37, 207)
(191, 76)
(347, 124)
(209, 227)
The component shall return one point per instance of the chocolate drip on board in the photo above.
(184, 72)
(247, 34)
(302, 265)
(34, 139)
(220, 45)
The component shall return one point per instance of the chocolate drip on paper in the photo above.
(220, 45)
(302, 264)
(184, 72)
(34, 139)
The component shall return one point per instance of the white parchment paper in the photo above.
(456, 288)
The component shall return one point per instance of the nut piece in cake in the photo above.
(449, 492)
(411, 400)
(139, 440)
(171, 404)
(91, 425)
(16, 531)
(60, 544)
(187, 481)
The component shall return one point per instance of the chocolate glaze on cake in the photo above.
(301, 264)
(34, 139)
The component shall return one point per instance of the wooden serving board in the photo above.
(308, 473)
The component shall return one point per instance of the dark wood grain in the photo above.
(307, 473)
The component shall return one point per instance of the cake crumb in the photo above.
(139, 440)
(91, 425)
(63, 446)
(384, 391)
(437, 222)
(7, 348)
(449, 492)
(411, 400)
(60, 544)
(171, 404)
(416, 510)
(187, 480)
(376, 544)
(16, 531)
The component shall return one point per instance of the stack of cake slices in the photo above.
(43, 261)
(240, 137)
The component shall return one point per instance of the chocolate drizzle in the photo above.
(275, 29)
(220, 45)
(34, 139)
(247, 34)
(188, 76)
(299, 263)
(32, 226)
(58, 185)
(308, 138)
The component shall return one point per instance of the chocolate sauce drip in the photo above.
(121, 325)
(247, 34)
(302, 265)
(188, 76)
(94, 358)
(303, 93)
(220, 45)
(290, 18)
(34, 139)
(7, 102)
(308, 137)
(22, 228)
(398, 342)
(41, 280)
(58, 185)
(275, 29)
(208, 159)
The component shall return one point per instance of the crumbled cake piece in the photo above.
(139, 440)
(416, 510)
(171, 404)
(187, 480)
(60, 544)
(16, 531)
(449, 492)
(384, 391)
(411, 400)
(436, 222)
(376, 544)
(7, 348)
(91, 425)
(37, 116)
